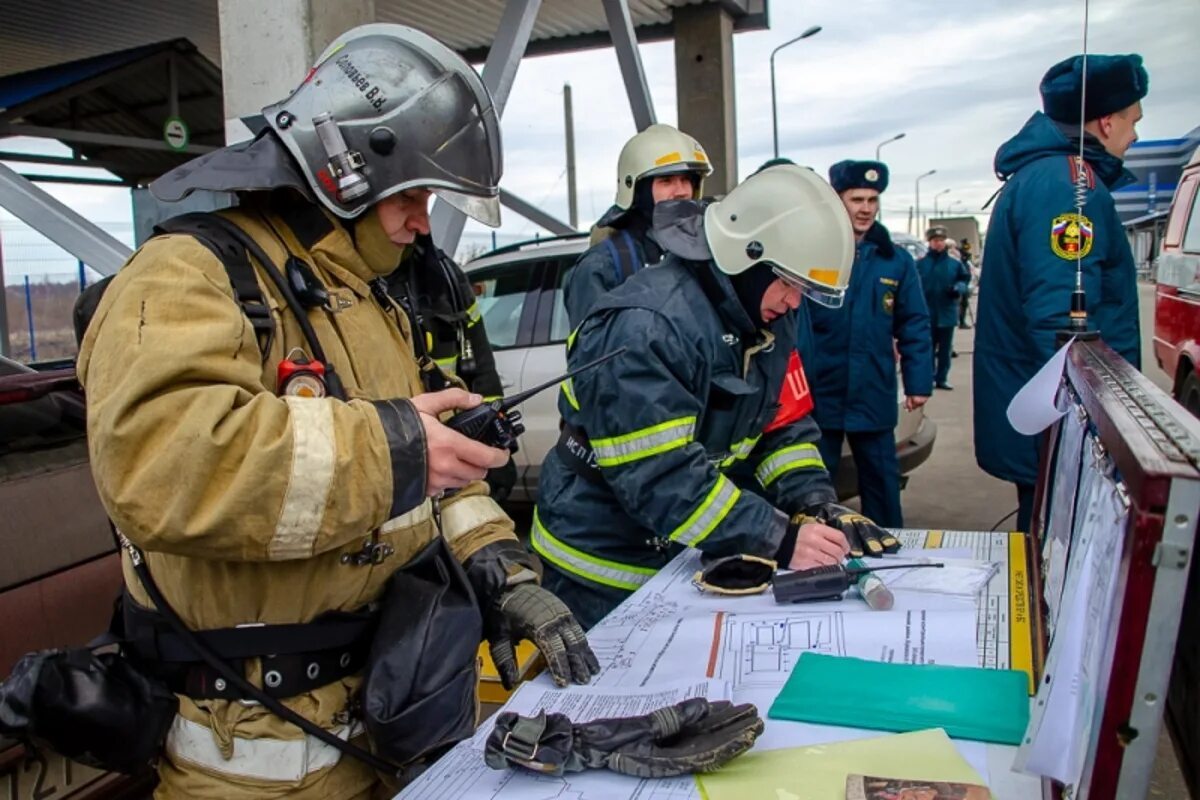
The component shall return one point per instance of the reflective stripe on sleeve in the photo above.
(708, 514)
(449, 364)
(409, 519)
(460, 517)
(576, 562)
(660, 438)
(568, 390)
(473, 314)
(740, 451)
(314, 450)
(797, 456)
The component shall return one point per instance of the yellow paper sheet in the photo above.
(819, 772)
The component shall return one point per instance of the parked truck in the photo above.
(961, 228)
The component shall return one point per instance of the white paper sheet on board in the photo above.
(1035, 407)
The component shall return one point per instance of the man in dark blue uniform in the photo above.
(852, 358)
(657, 164)
(944, 280)
(699, 434)
(1036, 237)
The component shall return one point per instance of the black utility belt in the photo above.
(576, 452)
(295, 658)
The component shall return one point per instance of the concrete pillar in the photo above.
(704, 87)
(267, 47)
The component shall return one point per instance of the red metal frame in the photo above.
(1119, 401)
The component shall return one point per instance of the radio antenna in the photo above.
(1078, 325)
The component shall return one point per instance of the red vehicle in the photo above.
(1177, 298)
(60, 572)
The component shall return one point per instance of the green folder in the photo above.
(990, 705)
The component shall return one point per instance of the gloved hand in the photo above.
(527, 611)
(863, 535)
(692, 736)
(501, 480)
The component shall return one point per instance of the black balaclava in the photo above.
(750, 287)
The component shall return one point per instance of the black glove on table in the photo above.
(692, 736)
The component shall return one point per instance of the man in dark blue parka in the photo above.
(853, 363)
(1036, 236)
(944, 280)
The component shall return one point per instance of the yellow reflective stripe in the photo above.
(740, 451)
(314, 456)
(448, 364)
(660, 438)
(568, 390)
(571, 339)
(797, 456)
(708, 514)
(576, 562)
(473, 314)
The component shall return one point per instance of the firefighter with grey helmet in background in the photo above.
(659, 163)
(718, 451)
(262, 502)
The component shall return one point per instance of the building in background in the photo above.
(1157, 164)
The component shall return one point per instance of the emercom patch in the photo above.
(1071, 236)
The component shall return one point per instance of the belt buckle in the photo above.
(509, 748)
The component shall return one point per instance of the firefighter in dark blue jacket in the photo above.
(659, 163)
(852, 360)
(1037, 235)
(944, 280)
(699, 433)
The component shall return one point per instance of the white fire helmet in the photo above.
(789, 217)
(659, 150)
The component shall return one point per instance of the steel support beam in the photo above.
(499, 72)
(61, 224)
(620, 27)
(534, 214)
(89, 137)
(57, 161)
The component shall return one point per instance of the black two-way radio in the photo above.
(498, 423)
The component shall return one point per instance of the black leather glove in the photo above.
(692, 736)
(735, 575)
(864, 536)
(501, 481)
(504, 576)
(527, 611)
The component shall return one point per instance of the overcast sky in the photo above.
(958, 80)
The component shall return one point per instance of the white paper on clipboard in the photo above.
(1064, 712)
(1035, 406)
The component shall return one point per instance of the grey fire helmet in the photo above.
(387, 108)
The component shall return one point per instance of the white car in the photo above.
(519, 290)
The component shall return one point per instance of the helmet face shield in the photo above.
(822, 295)
(480, 209)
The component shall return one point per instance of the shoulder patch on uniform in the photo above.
(1079, 167)
(889, 281)
(1071, 236)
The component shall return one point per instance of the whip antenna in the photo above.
(1078, 325)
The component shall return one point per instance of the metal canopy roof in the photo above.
(35, 35)
(110, 109)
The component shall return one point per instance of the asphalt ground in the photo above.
(949, 491)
